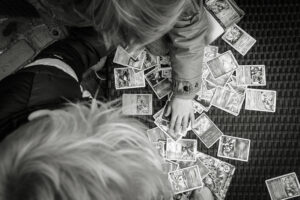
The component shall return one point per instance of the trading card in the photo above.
(210, 52)
(251, 75)
(206, 130)
(169, 166)
(150, 60)
(284, 187)
(123, 58)
(197, 106)
(238, 39)
(204, 97)
(165, 127)
(219, 177)
(204, 171)
(211, 86)
(222, 64)
(205, 71)
(137, 104)
(163, 88)
(156, 135)
(134, 54)
(166, 73)
(260, 100)
(160, 146)
(232, 85)
(126, 78)
(186, 179)
(184, 195)
(182, 150)
(164, 62)
(226, 11)
(221, 81)
(228, 100)
(196, 115)
(154, 77)
(234, 148)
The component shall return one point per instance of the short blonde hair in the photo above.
(137, 21)
(82, 152)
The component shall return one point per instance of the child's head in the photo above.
(80, 152)
(146, 20)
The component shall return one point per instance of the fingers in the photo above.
(173, 121)
(178, 124)
(185, 123)
(168, 112)
(192, 119)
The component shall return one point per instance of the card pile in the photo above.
(225, 85)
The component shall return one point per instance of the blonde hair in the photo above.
(82, 152)
(137, 21)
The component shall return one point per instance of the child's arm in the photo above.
(188, 42)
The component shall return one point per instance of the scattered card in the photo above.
(137, 104)
(204, 97)
(150, 60)
(126, 78)
(169, 166)
(164, 62)
(234, 148)
(238, 39)
(228, 100)
(182, 150)
(134, 54)
(204, 171)
(260, 100)
(166, 73)
(160, 85)
(160, 146)
(222, 64)
(251, 75)
(156, 135)
(210, 52)
(186, 179)
(232, 85)
(219, 177)
(197, 107)
(206, 130)
(225, 11)
(123, 58)
(221, 81)
(284, 187)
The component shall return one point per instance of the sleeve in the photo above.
(188, 39)
(81, 50)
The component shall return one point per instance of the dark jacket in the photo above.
(44, 86)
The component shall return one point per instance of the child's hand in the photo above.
(182, 113)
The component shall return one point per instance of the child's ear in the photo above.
(38, 113)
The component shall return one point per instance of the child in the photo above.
(136, 23)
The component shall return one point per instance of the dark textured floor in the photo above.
(275, 137)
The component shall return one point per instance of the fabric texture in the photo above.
(44, 87)
(187, 48)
